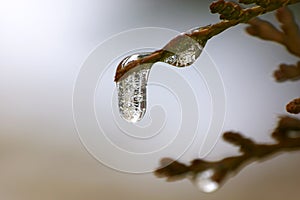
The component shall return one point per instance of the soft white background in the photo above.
(42, 46)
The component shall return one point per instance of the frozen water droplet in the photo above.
(132, 90)
(183, 51)
(180, 52)
(205, 183)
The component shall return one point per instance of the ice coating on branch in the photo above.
(184, 51)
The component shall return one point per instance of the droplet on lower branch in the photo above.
(204, 181)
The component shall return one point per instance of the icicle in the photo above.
(132, 96)
(132, 93)
(184, 51)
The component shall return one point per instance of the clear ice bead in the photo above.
(205, 183)
(184, 51)
(132, 93)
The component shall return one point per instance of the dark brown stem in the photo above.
(287, 135)
(287, 72)
(203, 34)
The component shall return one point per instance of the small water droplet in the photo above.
(132, 91)
(205, 183)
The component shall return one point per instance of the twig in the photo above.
(287, 72)
(287, 135)
(203, 34)
(288, 35)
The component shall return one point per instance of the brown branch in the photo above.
(287, 135)
(287, 72)
(288, 35)
(232, 14)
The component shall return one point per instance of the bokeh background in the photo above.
(42, 47)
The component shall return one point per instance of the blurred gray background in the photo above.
(42, 47)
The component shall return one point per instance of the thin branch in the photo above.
(287, 135)
(287, 72)
(203, 34)
(288, 35)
